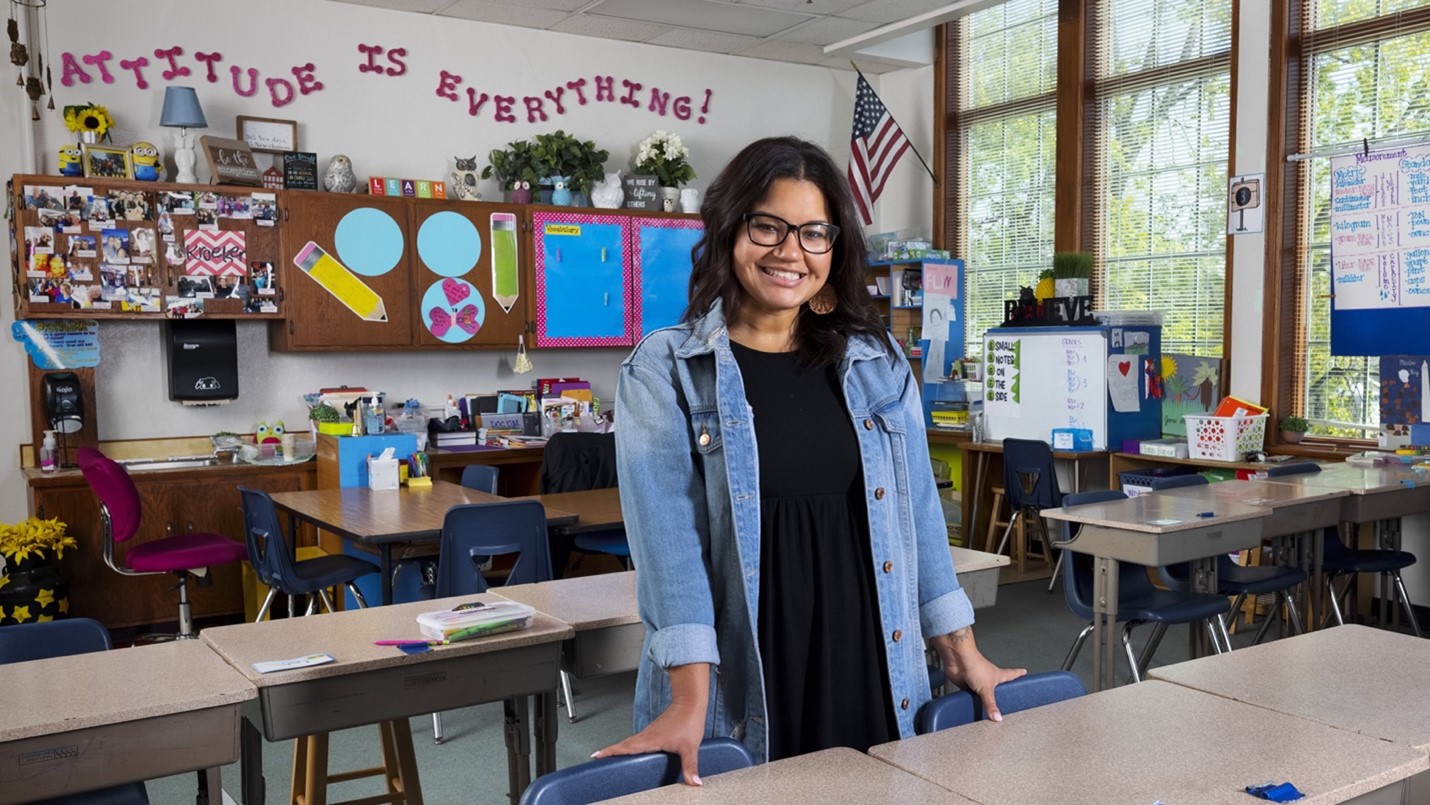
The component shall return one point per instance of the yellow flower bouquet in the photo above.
(43, 539)
(89, 118)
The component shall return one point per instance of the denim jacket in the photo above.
(690, 497)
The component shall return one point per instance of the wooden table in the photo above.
(832, 775)
(368, 684)
(594, 509)
(86, 721)
(1152, 530)
(380, 519)
(1150, 742)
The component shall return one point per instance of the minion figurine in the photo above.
(70, 164)
(147, 167)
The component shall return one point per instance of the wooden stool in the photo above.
(399, 768)
(995, 531)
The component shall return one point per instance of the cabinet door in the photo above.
(583, 280)
(350, 272)
(470, 279)
(662, 259)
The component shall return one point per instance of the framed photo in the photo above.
(267, 135)
(105, 162)
(230, 161)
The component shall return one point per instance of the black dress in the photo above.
(826, 682)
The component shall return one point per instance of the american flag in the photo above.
(876, 148)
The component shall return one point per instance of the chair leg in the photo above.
(1216, 630)
(1405, 603)
(408, 780)
(186, 613)
(993, 523)
(357, 595)
(315, 785)
(312, 606)
(570, 699)
(1333, 596)
(298, 790)
(1057, 571)
(1127, 648)
(1076, 647)
(327, 601)
(1145, 658)
(437, 736)
(267, 602)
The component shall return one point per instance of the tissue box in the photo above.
(382, 473)
(1072, 439)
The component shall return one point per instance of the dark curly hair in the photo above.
(739, 189)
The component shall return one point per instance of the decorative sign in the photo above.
(230, 162)
(211, 253)
(268, 135)
(59, 343)
(641, 192)
(1003, 363)
(300, 170)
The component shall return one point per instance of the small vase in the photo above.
(670, 199)
(89, 136)
(33, 590)
(1291, 436)
(690, 200)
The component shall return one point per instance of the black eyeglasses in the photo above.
(815, 237)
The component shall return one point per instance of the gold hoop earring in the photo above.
(824, 302)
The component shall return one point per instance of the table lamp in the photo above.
(182, 111)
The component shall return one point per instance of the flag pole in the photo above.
(896, 123)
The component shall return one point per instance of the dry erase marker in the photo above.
(341, 282)
(504, 270)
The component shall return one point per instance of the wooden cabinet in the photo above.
(350, 267)
(173, 502)
(471, 285)
(104, 249)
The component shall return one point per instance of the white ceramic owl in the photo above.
(339, 177)
(607, 193)
(464, 180)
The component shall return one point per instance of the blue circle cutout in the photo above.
(369, 241)
(449, 244)
(453, 310)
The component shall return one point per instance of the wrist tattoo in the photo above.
(962, 634)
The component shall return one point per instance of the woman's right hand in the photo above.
(680, 728)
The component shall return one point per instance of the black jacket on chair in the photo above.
(575, 462)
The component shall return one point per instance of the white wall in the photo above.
(398, 126)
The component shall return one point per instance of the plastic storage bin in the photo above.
(1139, 482)
(1224, 438)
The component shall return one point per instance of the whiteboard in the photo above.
(1037, 381)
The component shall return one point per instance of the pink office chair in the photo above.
(182, 555)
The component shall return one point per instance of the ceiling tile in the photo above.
(803, 6)
(702, 15)
(557, 5)
(827, 31)
(886, 11)
(609, 28)
(704, 40)
(786, 51)
(416, 6)
(503, 14)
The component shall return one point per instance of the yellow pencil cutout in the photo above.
(338, 280)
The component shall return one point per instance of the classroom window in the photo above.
(1000, 152)
(1156, 135)
(1356, 74)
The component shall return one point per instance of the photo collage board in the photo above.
(136, 248)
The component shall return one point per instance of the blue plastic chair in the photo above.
(482, 477)
(611, 777)
(1030, 482)
(1292, 469)
(63, 638)
(1024, 693)
(1339, 561)
(1138, 601)
(273, 562)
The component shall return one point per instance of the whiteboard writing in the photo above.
(1380, 229)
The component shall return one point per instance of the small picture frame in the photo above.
(230, 162)
(267, 135)
(106, 162)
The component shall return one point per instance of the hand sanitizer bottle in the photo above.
(49, 453)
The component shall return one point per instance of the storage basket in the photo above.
(1224, 438)
(1140, 482)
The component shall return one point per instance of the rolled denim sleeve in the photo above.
(664, 507)
(943, 605)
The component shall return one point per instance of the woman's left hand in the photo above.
(967, 668)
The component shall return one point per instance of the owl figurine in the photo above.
(561, 191)
(607, 192)
(147, 167)
(70, 164)
(339, 177)
(464, 180)
(268, 434)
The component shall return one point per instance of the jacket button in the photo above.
(888, 567)
(879, 493)
(704, 440)
(904, 705)
(898, 635)
(868, 424)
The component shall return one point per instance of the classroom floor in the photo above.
(1028, 627)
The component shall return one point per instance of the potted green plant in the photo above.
(31, 587)
(664, 156)
(515, 169)
(577, 163)
(1293, 428)
(1072, 273)
(327, 420)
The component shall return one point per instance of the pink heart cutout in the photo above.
(467, 319)
(1123, 367)
(441, 321)
(456, 290)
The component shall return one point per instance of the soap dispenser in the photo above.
(49, 453)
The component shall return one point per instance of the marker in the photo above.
(338, 280)
(409, 642)
(504, 268)
(1206, 514)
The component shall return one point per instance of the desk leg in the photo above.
(1203, 581)
(518, 747)
(250, 753)
(1104, 623)
(546, 725)
(385, 552)
(978, 485)
(1387, 533)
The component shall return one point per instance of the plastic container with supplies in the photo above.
(475, 620)
(1224, 438)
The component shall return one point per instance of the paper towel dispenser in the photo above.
(203, 360)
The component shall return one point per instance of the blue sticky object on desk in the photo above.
(423, 648)
(1283, 792)
(1206, 514)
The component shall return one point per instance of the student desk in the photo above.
(978, 574)
(1151, 530)
(831, 775)
(86, 721)
(594, 509)
(1298, 513)
(977, 465)
(368, 683)
(380, 519)
(1153, 741)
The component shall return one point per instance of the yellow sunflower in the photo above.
(88, 117)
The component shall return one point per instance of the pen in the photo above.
(1207, 514)
(409, 642)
